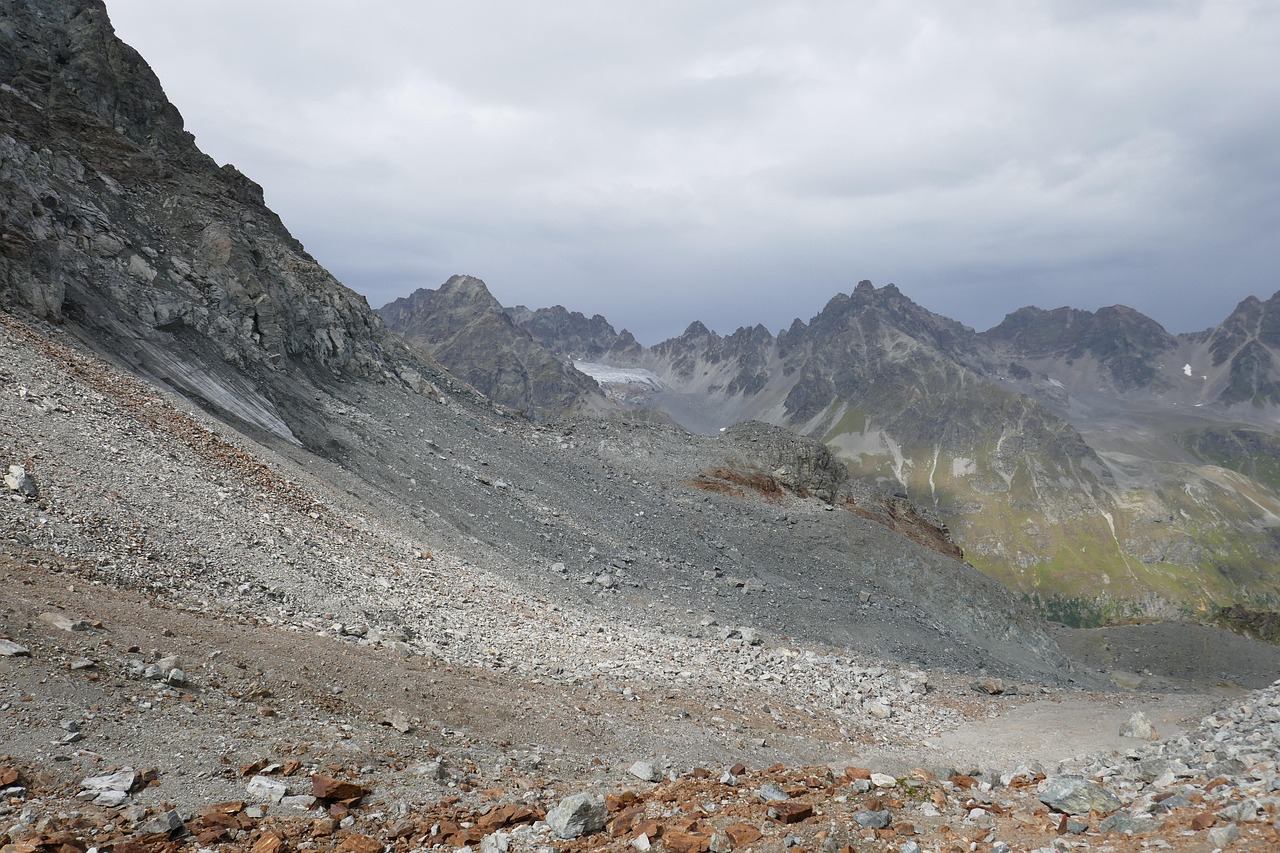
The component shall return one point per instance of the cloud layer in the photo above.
(741, 162)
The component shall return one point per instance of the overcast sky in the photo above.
(741, 161)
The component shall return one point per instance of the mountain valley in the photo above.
(283, 573)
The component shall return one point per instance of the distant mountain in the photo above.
(1068, 450)
(463, 326)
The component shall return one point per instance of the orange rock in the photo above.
(857, 773)
(791, 811)
(617, 802)
(357, 843)
(268, 842)
(1204, 820)
(328, 788)
(678, 841)
(743, 833)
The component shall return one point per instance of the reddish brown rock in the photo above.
(678, 841)
(743, 833)
(328, 788)
(791, 812)
(357, 843)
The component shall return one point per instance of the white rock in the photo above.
(121, 780)
(266, 789)
(883, 780)
(646, 771)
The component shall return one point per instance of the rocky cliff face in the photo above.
(463, 326)
(115, 223)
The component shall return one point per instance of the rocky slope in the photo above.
(463, 326)
(1067, 450)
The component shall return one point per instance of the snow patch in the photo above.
(963, 467)
(1057, 383)
(608, 375)
(1186, 369)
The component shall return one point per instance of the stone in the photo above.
(879, 710)
(301, 802)
(1224, 836)
(790, 812)
(430, 769)
(10, 649)
(872, 820)
(1074, 795)
(641, 843)
(166, 823)
(1138, 726)
(496, 842)
(883, 780)
(111, 799)
(64, 622)
(680, 841)
(19, 481)
(720, 843)
(742, 834)
(751, 636)
(645, 771)
(328, 788)
(990, 686)
(771, 793)
(578, 815)
(267, 790)
(398, 720)
(121, 780)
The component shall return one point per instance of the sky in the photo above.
(742, 161)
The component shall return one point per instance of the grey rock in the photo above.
(64, 622)
(121, 780)
(17, 480)
(301, 802)
(1075, 795)
(267, 790)
(578, 815)
(10, 649)
(1224, 836)
(495, 842)
(771, 793)
(1138, 726)
(167, 823)
(872, 820)
(646, 771)
(110, 799)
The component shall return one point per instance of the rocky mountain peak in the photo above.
(466, 328)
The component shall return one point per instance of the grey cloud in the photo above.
(741, 162)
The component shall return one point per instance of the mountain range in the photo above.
(1089, 460)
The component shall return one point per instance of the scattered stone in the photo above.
(1138, 726)
(578, 815)
(1074, 795)
(10, 649)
